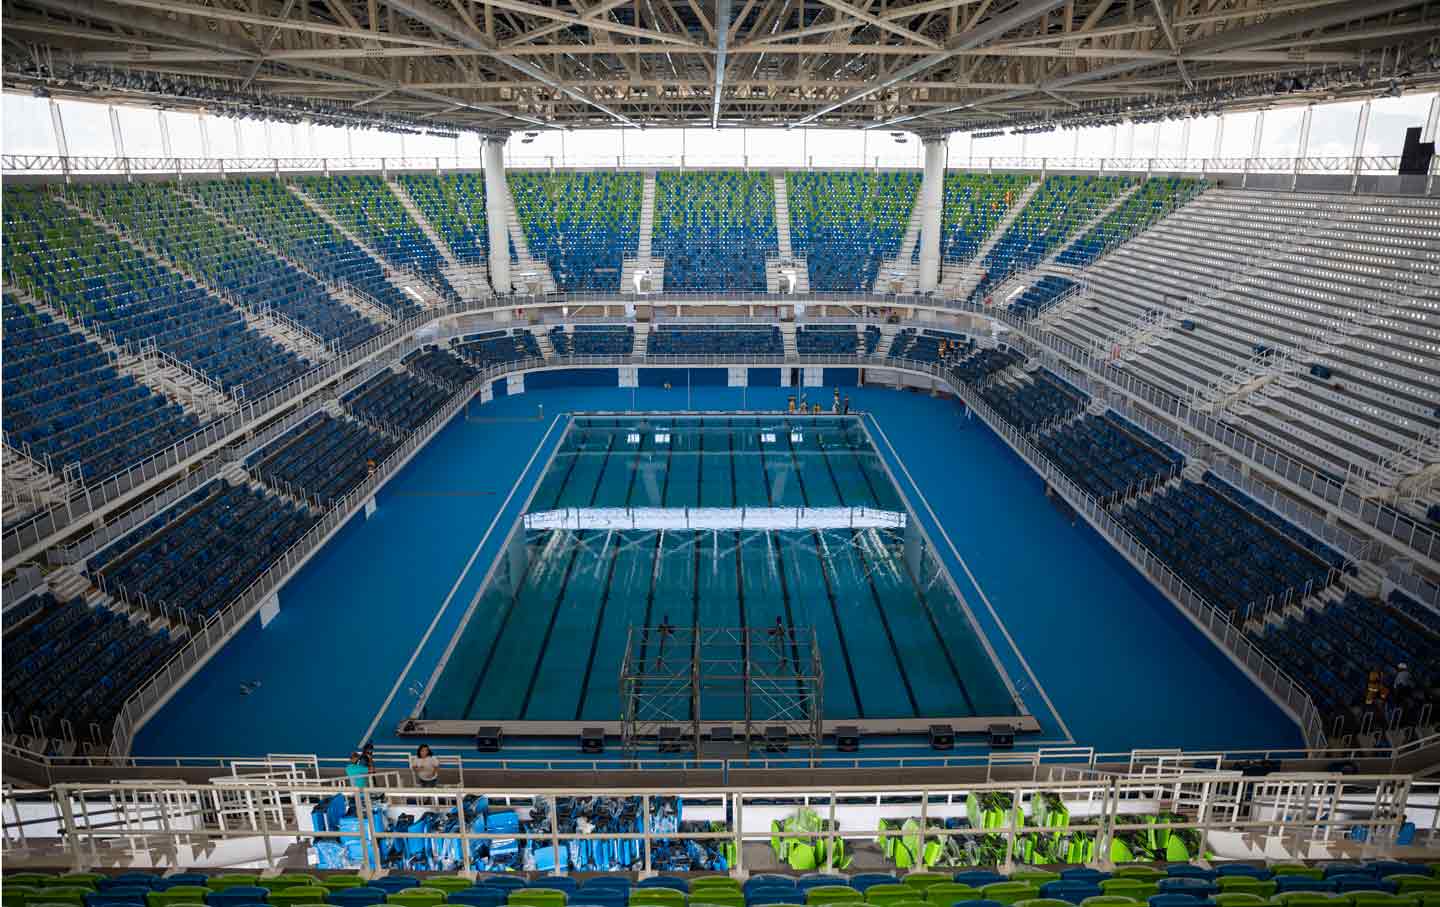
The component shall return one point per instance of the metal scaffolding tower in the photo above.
(763, 685)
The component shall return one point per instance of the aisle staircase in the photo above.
(787, 337)
(642, 338)
(959, 281)
(528, 276)
(901, 273)
(644, 254)
(471, 281)
(542, 340)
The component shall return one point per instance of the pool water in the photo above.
(547, 635)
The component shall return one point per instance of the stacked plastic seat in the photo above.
(1033, 404)
(1041, 295)
(973, 204)
(924, 345)
(195, 241)
(716, 340)
(593, 340)
(1154, 199)
(367, 208)
(714, 229)
(493, 348)
(847, 223)
(65, 400)
(583, 224)
(394, 401)
(222, 539)
(278, 217)
(78, 663)
(826, 339)
(110, 284)
(323, 458)
(441, 366)
(454, 204)
(1107, 455)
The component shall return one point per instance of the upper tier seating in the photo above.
(1062, 205)
(846, 223)
(454, 204)
(323, 458)
(441, 367)
(716, 340)
(1154, 199)
(714, 229)
(273, 213)
(1331, 652)
(584, 225)
(192, 239)
(77, 663)
(1108, 455)
(1349, 279)
(367, 208)
(593, 340)
(497, 347)
(394, 401)
(66, 401)
(1042, 294)
(973, 206)
(827, 340)
(1238, 563)
(118, 289)
(213, 545)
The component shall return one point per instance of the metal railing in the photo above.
(1424, 590)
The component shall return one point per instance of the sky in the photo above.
(90, 130)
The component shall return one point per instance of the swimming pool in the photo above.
(544, 639)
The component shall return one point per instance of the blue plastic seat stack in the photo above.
(826, 340)
(324, 457)
(714, 229)
(493, 348)
(1107, 455)
(716, 340)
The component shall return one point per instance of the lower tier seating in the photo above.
(1033, 404)
(716, 340)
(441, 366)
(394, 401)
(323, 458)
(77, 663)
(1041, 295)
(593, 340)
(498, 347)
(1107, 455)
(929, 345)
(827, 340)
(207, 554)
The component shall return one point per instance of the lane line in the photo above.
(474, 555)
(973, 581)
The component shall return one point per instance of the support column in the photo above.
(932, 190)
(493, 152)
(1302, 148)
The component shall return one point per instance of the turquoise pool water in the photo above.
(546, 638)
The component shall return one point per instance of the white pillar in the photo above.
(493, 151)
(932, 192)
(1432, 120)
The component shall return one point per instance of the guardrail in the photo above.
(1423, 590)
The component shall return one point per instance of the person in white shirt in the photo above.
(425, 766)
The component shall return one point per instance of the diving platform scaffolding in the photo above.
(762, 686)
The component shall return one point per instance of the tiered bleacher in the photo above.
(584, 225)
(454, 204)
(192, 239)
(845, 224)
(441, 367)
(1108, 456)
(367, 208)
(1034, 404)
(928, 345)
(498, 347)
(715, 340)
(1042, 294)
(1347, 655)
(66, 401)
(827, 339)
(1154, 199)
(394, 401)
(321, 459)
(1062, 205)
(76, 663)
(714, 229)
(593, 340)
(116, 288)
(206, 551)
(273, 213)
(973, 206)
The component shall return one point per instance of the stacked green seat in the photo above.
(1263, 888)
(1139, 889)
(300, 894)
(448, 884)
(1298, 869)
(1416, 884)
(1009, 892)
(425, 897)
(1305, 899)
(232, 880)
(1238, 898)
(846, 223)
(1043, 902)
(454, 204)
(342, 880)
(943, 894)
(584, 224)
(1036, 877)
(180, 894)
(655, 897)
(287, 880)
(924, 880)
(833, 894)
(972, 206)
(887, 894)
(58, 894)
(1108, 900)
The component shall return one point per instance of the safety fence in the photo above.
(265, 814)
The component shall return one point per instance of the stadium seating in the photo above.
(367, 208)
(1058, 208)
(714, 229)
(498, 347)
(322, 458)
(192, 239)
(1107, 455)
(1153, 200)
(211, 547)
(273, 213)
(827, 340)
(1042, 294)
(1034, 404)
(973, 206)
(846, 223)
(919, 345)
(441, 367)
(77, 663)
(583, 225)
(454, 204)
(394, 401)
(65, 400)
(116, 288)
(715, 340)
(593, 340)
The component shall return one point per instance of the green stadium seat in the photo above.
(833, 894)
(300, 894)
(232, 880)
(1108, 900)
(449, 884)
(656, 897)
(342, 880)
(924, 879)
(1009, 892)
(424, 897)
(946, 893)
(180, 894)
(1238, 899)
(287, 880)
